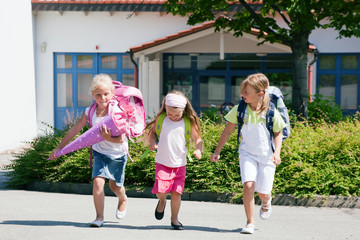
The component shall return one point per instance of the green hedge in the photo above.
(319, 158)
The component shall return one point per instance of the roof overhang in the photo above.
(115, 5)
(192, 34)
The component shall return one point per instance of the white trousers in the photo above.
(256, 171)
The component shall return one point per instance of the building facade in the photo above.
(137, 43)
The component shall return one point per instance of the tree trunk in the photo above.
(299, 49)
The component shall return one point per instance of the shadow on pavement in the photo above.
(108, 224)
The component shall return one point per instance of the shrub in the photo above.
(324, 109)
(318, 158)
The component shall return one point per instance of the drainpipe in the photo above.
(310, 73)
(136, 69)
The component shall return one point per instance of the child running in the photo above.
(257, 159)
(172, 151)
(109, 155)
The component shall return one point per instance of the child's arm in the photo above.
(152, 138)
(223, 138)
(70, 134)
(198, 142)
(278, 143)
(106, 134)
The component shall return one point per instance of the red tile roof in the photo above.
(115, 1)
(101, 1)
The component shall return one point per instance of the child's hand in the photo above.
(105, 132)
(153, 146)
(215, 157)
(53, 154)
(276, 159)
(197, 153)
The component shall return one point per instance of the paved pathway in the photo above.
(30, 215)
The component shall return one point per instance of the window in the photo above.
(73, 74)
(338, 77)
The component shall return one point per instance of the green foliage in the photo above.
(319, 158)
(322, 158)
(324, 109)
(32, 165)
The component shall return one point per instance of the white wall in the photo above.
(326, 41)
(77, 32)
(17, 98)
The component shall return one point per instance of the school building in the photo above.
(53, 48)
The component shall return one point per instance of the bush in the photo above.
(324, 109)
(318, 158)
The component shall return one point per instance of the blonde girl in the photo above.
(109, 155)
(257, 159)
(171, 152)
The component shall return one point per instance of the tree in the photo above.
(299, 18)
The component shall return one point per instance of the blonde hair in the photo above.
(188, 111)
(101, 80)
(260, 83)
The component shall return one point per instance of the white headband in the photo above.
(175, 100)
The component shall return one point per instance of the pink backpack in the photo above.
(130, 101)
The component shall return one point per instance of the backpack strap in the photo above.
(240, 119)
(159, 123)
(92, 109)
(270, 122)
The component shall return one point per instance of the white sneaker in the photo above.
(121, 215)
(248, 229)
(265, 215)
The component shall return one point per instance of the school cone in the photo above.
(116, 122)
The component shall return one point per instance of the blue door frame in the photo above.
(61, 113)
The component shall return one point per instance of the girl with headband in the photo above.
(172, 150)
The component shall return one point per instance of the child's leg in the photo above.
(248, 198)
(99, 197)
(120, 193)
(162, 201)
(175, 207)
(264, 183)
(265, 199)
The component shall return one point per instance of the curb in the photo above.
(280, 199)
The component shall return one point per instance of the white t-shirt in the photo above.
(112, 150)
(172, 148)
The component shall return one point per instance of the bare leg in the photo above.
(120, 193)
(175, 207)
(162, 201)
(99, 197)
(248, 198)
(265, 198)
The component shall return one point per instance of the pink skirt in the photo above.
(169, 179)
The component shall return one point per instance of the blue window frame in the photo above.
(73, 73)
(208, 81)
(338, 77)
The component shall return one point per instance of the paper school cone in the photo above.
(117, 123)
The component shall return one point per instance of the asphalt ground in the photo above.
(43, 215)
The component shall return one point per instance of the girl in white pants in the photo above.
(257, 159)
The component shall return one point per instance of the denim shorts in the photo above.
(112, 169)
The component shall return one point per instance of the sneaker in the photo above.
(248, 229)
(265, 214)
